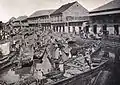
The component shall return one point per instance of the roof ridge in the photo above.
(110, 5)
(63, 8)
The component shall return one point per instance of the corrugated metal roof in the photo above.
(41, 13)
(63, 8)
(111, 5)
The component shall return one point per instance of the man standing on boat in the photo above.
(38, 74)
(88, 59)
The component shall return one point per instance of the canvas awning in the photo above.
(5, 48)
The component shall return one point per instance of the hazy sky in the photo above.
(15, 8)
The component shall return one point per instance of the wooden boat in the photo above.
(80, 78)
(83, 78)
(29, 63)
(7, 60)
(23, 63)
(26, 81)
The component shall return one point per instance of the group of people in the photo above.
(90, 35)
(57, 48)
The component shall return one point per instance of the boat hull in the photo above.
(7, 61)
(82, 79)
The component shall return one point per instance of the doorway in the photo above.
(116, 31)
(95, 29)
(105, 29)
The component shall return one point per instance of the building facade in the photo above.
(69, 18)
(40, 20)
(20, 24)
(106, 18)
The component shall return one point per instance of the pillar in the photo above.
(66, 29)
(69, 29)
(73, 29)
(60, 29)
(63, 28)
(51, 27)
(77, 29)
(45, 28)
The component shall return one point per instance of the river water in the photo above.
(10, 75)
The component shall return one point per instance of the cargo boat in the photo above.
(85, 77)
(80, 78)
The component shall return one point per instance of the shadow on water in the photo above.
(115, 69)
(115, 74)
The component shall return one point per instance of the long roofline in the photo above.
(110, 6)
(36, 14)
(115, 9)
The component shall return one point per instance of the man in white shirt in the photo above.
(88, 59)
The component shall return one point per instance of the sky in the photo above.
(15, 8)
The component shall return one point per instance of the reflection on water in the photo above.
(11, 76)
